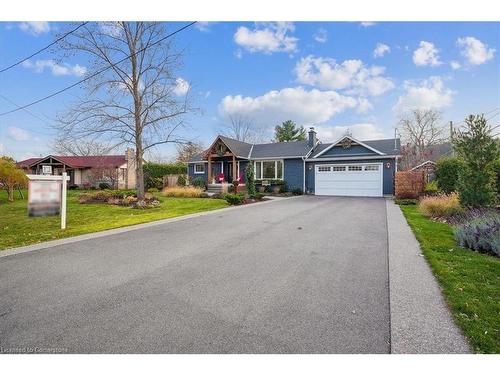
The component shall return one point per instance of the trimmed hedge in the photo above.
(154, 172)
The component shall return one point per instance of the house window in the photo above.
(338, 168)
(324, 169)
(371, 168)
(199, 168)
(355, 168)
(269, 169)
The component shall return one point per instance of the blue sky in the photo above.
(335, 76)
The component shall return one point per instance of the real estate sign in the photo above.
(44, 198)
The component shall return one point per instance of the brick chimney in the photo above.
(312, 137)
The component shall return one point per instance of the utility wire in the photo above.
(96, 73)
(43, 49)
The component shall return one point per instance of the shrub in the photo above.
(406, 202)
(440, 205)
(479, 150)
(297, 191)
(250, 180)
(183, 192)
(181, 181)
(496, 168)
(234, 199)
(258, 196)
(447, 171)
(199, 182)
(104, 186)
(431, 188)
(153, 190)
(480, 234)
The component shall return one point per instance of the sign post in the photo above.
(47, 196)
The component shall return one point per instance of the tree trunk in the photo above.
(10, 193)
(139, 171)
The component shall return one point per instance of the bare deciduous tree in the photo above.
(421, 128)
(80, 147)
(139, 101)
(242, 128)
(186, 151)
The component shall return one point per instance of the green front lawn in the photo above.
(470, 281)
(17, 229)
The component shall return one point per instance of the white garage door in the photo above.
(357, 180)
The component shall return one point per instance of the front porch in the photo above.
(224, 187)
(224, 166)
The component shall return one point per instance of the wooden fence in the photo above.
(409, 184)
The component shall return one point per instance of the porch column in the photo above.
(234, 168)
(209, 178)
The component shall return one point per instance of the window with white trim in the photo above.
(371, 167)
(355, 168)
(268, 169)
(324, 168)
(199, 168)
(338, 168)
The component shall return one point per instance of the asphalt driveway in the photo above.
(302, 275)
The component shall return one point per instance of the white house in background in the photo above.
(117, 170)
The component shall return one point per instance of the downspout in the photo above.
(304, 174)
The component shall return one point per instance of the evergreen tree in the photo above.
(479, 151)
(288, 131)
(250, 181)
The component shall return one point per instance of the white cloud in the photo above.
(366, 24)
(380, 50)
(181, 87)
(364, 105)
(267, 37)
(426, 54)
(303, 106)
(428, 94)
(18, 134)
(204, 26)
(350, 74)
(57, 69)
(455, 65)
(328, 133)
(2, 148)
(475, 51)
(321, 36)
(35, 27)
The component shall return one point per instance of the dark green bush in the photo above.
(234, 199)
(431, 188)
(447, 171)
(182, 180)
(258, 196)
(153, 190)
(496, 168)
(297, 191)
(104, 186)
(406, 202)
(199, 182)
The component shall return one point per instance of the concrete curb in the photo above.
(420, 319)
(110, 232)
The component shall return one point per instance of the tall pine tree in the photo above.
(288, 131)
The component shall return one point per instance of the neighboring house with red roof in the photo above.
(116, 170)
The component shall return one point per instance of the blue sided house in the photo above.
(346, 167)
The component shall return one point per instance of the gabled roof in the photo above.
(383, 146)
(239, 148)
(430, 162)
(80, 161)
(340, 140)
(298, 149)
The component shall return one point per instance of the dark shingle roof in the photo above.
(383, 145)
(241, 149)
(291, 149)
(280, 149)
